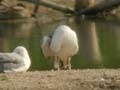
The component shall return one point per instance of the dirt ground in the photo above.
(87, 79)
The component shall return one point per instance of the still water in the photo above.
(99, 41)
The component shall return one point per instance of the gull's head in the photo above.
(45, 46)
(45, 41)
(22, 51)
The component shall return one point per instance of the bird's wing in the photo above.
(56, 41)
(8, 58)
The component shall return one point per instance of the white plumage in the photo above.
(17, 61)
(62, 46)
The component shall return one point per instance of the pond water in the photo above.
(99, 41)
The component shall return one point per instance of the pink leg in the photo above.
(56, 63)
(65, 64)
(69, 63)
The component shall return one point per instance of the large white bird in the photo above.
(17, 61)
(62, 45)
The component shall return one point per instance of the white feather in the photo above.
(64, 41)
(63, 44)
(17, 61)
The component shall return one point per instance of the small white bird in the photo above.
(62, 45)
(17, 61)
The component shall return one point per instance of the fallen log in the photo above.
(54, 6)
(105, 5)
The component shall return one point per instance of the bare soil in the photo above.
(87, 79)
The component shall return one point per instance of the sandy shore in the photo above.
(87, 79)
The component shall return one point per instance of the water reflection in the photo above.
(110, 42)
(117, 36)
(89, 43)
(10, 31)
(18, 29)
(99, 41)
